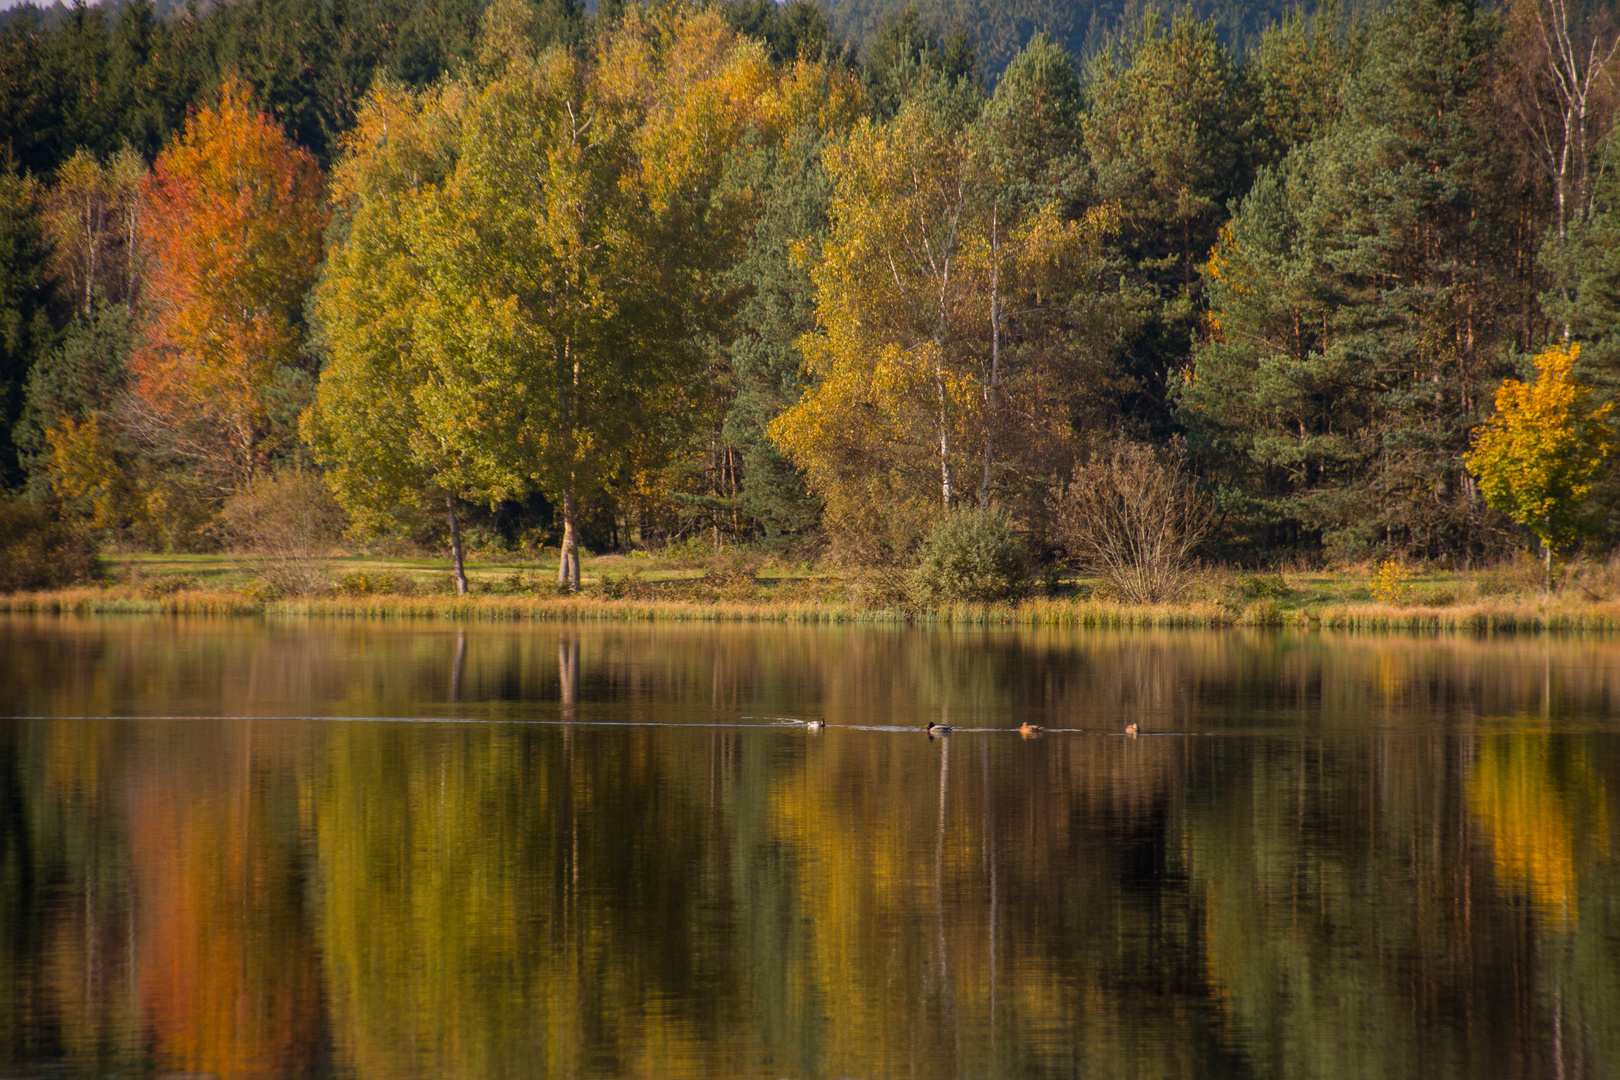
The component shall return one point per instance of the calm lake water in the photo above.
(240, 848)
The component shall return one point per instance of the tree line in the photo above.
(688, 269)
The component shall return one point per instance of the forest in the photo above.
(1345, 282)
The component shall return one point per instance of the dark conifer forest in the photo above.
(787, 274)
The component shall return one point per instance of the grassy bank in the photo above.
(620, 589)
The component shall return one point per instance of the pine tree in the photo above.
(1167, 131)
(27, 303)
(1352, 332)
(778, 308)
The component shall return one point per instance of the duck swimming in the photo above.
(817, 724)
(937, 729)
(1130, 729)
(1027, 729)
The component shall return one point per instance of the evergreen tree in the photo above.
(1585, 288)
(1352, 340)
(1167, 131)
(1032, 132)
(79, 380)
(778, 307)
(1300, 71)
(905, 58)
(27, 307)
(789, 31)
(435, 38)
(28, 97)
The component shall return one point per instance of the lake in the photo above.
(262, 848)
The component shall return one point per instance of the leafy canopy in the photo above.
(1538, 458)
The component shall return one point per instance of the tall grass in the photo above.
(122, 601)
(1501, 615)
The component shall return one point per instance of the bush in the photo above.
(632, 586)
(39, 552)
(1261, 586)
(733, 575)
(1134, 518)
(1391, 584)
(288, 523)
(973, 556)
(377, 583)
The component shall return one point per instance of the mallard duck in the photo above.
(937, 729)
(1027, 729)
(1130, 729)
(816, 724)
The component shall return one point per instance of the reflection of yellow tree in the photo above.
(928, 915)
(1539, 808)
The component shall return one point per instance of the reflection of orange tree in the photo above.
(1540, 807)
(227, 983)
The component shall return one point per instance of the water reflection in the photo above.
(1321, 856)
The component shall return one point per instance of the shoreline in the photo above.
(1541, 615)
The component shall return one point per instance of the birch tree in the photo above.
(551, 280)
(232, 242)
(365, 424)
(933, 254)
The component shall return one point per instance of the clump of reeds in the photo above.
(740, 595)
(130, 601)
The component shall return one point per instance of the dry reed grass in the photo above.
(1567, 613)
(88, 600)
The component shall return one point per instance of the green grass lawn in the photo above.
(746, 587)
(1289, 590)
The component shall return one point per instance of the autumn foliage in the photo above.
(1538, 458)
(233, 239)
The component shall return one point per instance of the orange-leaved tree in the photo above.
(232, 237)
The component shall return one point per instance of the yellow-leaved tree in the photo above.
(940, 354)
(519, 301)
(1539, 456)
(365, 426)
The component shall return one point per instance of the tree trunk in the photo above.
(568, 562)
(455, 546)
(1546, 569)
(995, 362)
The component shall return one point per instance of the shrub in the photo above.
(288, 523)
(732, 575)
(973, 556)
(1259, 586)
(377, 583)
(1392, 582)
(1134, 518)
(39, 552)
(632, 586)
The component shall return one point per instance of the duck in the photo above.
(1130, 729)
(937, 729)
(1026, 729)
(816, 724)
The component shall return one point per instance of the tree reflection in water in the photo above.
(1323, 855)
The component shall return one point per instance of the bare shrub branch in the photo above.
(289, 523)
(1134, 517)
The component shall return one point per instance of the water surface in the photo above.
(247, 848)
